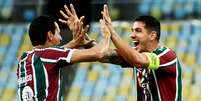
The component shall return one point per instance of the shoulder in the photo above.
(55, 48)
(51, 49)
(166, 55)
(165, 52)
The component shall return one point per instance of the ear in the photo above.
(50, 36)
(153, 35)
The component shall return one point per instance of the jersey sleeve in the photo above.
(55, 54)
(167, 58)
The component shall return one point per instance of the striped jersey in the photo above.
(162, 84)
(38, 73)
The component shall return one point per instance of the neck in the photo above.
(42, 46)
(153, 46)
(46, 45)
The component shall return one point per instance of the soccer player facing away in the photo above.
(157, 69)
(38, 70)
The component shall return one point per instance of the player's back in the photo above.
(38, 76)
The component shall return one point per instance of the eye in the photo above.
(138, 30)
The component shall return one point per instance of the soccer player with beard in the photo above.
(157, 69)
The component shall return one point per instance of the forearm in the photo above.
(127, 52)
(92, 54)
(112, 56)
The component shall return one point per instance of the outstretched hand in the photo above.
(105, 14)
(104, 29)
(107, 19)
(71, 19)
(75, 24)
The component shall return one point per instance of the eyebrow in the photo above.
(135, 29)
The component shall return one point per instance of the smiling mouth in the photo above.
(136, 43)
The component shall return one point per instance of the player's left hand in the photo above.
(70, 17)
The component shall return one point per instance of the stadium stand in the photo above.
(107, 82)
(7, 7)
(178, 9)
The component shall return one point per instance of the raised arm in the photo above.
(125, 51)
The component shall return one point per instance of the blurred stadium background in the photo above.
(181, 30)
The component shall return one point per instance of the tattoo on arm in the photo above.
(112, 56)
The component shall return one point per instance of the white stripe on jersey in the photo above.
(46, 80)
(52, 48)
(164, 52)
(70, 55)
(48, 60)
(169, 63)
(34, 77)
(67, 59)
(177, 77)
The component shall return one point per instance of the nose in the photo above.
(132, 35)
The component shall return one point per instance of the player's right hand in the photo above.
(75, 24)
(107, 19)
(104, 29)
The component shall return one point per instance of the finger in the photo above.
(63, 21)
(68, 11)
(87, 37)
(82, 18)
(86, 28)
(84, 31)
(104, 15)
(106, 18)
(80, 37)
(76, 29)
(106, 10)
(63, 14)
(73, 10)
(101, 23)
(80, 28)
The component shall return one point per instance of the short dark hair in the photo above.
(39, 28)
(151, 23)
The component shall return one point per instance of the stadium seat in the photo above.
(7, 9)
(29, 14)
(120, 98)
(167, 9)
(189, 8)
(156, 10)
(107, 82)
(179, 12)
(144, 8)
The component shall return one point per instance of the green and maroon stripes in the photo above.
(21, 75)
(40, 78)
(178, 96)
